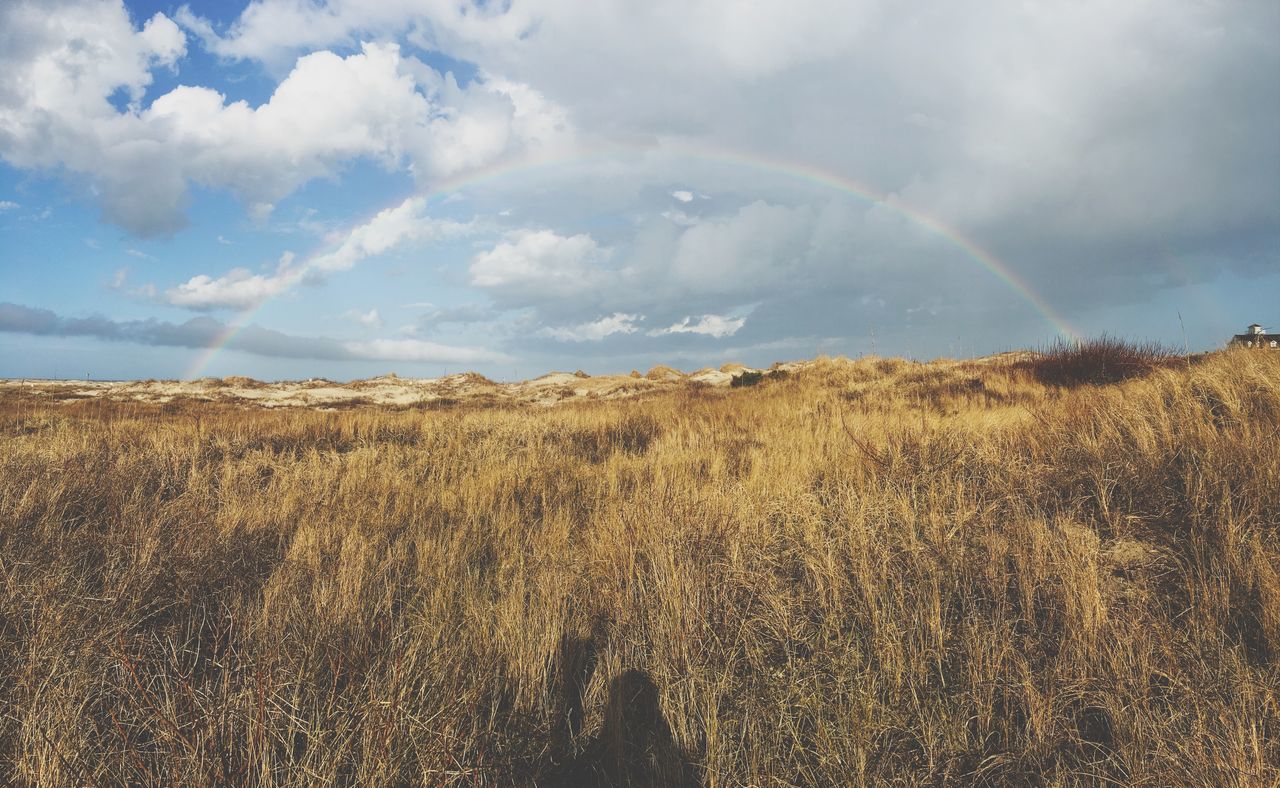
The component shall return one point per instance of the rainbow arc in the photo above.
(773, 166)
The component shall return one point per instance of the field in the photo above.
(852, 572)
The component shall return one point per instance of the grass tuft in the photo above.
(1098, 362)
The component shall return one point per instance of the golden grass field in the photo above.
(864, 572)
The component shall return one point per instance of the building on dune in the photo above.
(1256, 336)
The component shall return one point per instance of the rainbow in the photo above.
(774, 166)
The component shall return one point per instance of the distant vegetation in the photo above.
(867, 571)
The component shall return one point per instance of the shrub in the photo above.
(1097, 362)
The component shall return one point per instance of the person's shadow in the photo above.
(634, 747)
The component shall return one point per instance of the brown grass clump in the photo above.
(870, 572)
(1098, 361)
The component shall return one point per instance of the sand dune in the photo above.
(389, 390)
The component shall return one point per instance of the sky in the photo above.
(289, 189)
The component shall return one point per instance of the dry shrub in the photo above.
(1100, 361)
(746, 378)
(877, 573)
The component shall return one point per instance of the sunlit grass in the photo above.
(862, 572)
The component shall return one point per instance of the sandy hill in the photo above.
(385, 390)
(391, 390)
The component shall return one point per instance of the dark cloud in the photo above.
(206, 332)
(197, 333)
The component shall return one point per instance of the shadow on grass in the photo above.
(635, 746)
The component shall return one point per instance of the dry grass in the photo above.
(865, 572)
(1099, 361)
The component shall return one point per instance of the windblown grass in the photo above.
(868, 571)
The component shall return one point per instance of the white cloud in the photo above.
(718, 326)
(404, 224)
(237, 289)
(8, 205)
(68, 60)
(332, 109)
(58, 67)
(596, 330)
(683, 196)
(163, 40)
(539, 263)
(370, 319)
(138, 254)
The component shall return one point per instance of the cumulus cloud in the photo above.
(683, 196)
(539, 263)
(718, 326)
(204, 332)
(8, 205)
(404, 224)
(596, 330)
(60, 66)
(238, 289)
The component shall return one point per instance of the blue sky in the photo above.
(347, 188)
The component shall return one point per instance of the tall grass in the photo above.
(1098, 361)
(866, 572)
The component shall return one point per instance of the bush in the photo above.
(1097, 362)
